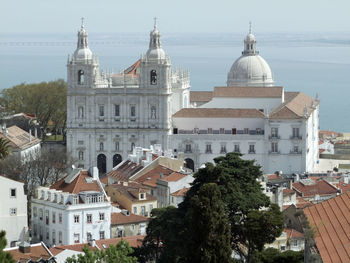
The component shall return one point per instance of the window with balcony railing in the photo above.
(208, 148)
(188, 148)
(236, 148)
(274, 147)
(251, 149)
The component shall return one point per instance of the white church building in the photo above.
(148, 103)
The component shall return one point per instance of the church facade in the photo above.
(148, 103)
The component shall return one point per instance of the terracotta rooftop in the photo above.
(273, 177)
(331, 220)
(121, 219)
(328, 133)
(37, 251)
(150, 178)
(83, 182)
(293, 107)
(132, 70)
(218, 113)
(18, 138)
(134, 241)
(181, 192)
(248, 92)
(174, 177)
(132, 190)
(342, 186)
(292, 233)
(320, 187)
(288, 191)
(302, 203)
(201, 96)
(125, 170)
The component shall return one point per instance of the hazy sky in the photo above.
(174, 16)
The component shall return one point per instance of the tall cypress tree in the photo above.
(4, 257)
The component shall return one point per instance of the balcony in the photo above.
(295, 137)
(274, 137)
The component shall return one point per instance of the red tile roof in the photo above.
(201, 96)
(320, 187)
(292, 233)
(293, 107)
(132, 190)
(37, 251)
(331, 220)
(150, 178)
(273, 177)
(134, 241)
(342, 186)
(288, 191)
(173, 177)
(79, 184)
(121, 219)
(302, 203)
(125, 171)
(218, 113)
(248, 92)
(181, 192)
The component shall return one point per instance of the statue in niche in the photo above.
(153, 112)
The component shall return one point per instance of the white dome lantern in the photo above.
(155, 51)
(83, 51)
(250, 69)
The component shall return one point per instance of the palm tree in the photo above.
(4, 148)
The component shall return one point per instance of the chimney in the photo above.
(24, 247)
(94, 173)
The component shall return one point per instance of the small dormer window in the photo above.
(153, 77)
(75, 200)
(81, 77)
(142, 196)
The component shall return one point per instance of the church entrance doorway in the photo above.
(117, 159)
(189, 163)
(102, 163)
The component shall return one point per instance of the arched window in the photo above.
(102, 163)
(81, 78)
(80, 112)
(153, 77)
(153, 112)
(189, 163)
(117, 159)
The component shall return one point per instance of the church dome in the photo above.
(83, 51)
(250, 69)
(155, 51)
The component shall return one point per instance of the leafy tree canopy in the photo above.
(4, 257)
(47, 100)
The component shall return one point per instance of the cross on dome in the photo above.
(82, 23)
(155, 22)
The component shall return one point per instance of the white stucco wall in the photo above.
(13, 224)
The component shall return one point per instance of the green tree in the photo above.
(47, 100)
(253, 220)
(4, 148)
(209, 232)
(121, 253)
(4, 257)
(272, 255)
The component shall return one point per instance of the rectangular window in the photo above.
(101, 146)
(117, 146)
(60, 237)
(60, 218)
(89, 218)
(80, 142)
(101, 111)
(13, 211)
(222, 130)
(296, 148)
(208, 148)
(274, 132)
(13, 192)
(53, 237)
(54, 217)
(236, 149)
(35, 230)
(76, 218)
(251, 148)
(133, 111)
(102, 234)
(188, 148)
(116, 110)
(223, 148)
(47, 216)
(47, 234)
(295, 132)
(40, 214)
(274, 147)
(246, 131)
(88, 236)
(81, 155)
(295, 243)
(102, 216)
(210, 130)
(76, 238)
(135, 210)
(75, 200)
(143, 210)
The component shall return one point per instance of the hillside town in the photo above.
(139, 146)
